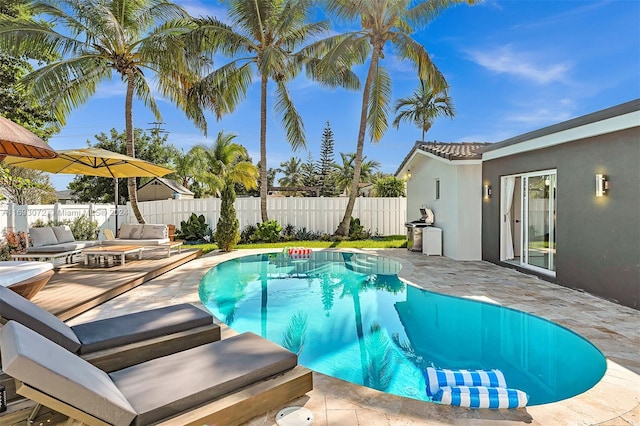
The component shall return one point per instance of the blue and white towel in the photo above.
(437, 378)
(481, 397)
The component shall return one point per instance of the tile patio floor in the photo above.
(614, 329)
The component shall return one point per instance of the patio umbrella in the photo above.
(93, 162)
(17, 141)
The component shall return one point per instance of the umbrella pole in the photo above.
(116, 191)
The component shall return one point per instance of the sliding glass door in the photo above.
(529, 220)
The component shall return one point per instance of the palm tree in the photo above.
(223, 162)
(185, 167)
(264, 37)
(293, 173)
(345, 172)
(138, 39)
(381, 21)
(423, 107)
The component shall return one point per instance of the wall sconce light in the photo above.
(486, 191)
(408, 175)
(602, 185)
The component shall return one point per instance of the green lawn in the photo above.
(394, 241)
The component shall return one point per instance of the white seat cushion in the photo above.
(15, 271)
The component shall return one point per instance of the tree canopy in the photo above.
(152, 147)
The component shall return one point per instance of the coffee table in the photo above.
(121, 251)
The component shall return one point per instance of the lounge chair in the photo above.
(117, 342)
(25, 278)
(224, 383)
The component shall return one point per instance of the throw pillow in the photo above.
(42, 236)
(63, 234)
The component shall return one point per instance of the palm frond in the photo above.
(18, 37)
(214, 35)
(379, 104)
(67, 84)
(145, 94)
(426, 11)
(427, 71)
(223, 89)
(292, 121)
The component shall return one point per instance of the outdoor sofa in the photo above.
(25, 278)
(225, 382)
(117, 342)
(52, 239)
(140, 235)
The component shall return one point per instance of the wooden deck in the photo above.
(76, 288)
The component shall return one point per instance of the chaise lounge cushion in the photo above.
(42, 236)
(169, 385)
(144, 325)
(15, 307)
(12, 272)
(144, 393)
(102, 334)
(42, 364)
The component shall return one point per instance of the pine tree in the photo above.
(310, 175)
(228, 228)
(325, 164)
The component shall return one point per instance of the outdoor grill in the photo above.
(415, 228)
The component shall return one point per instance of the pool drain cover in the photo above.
(294, 416)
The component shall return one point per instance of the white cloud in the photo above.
(540, 116)
(531, 66)
(542, 113)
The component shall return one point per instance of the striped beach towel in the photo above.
(437, 378)
(481, 397)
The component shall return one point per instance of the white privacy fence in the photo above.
(385, 216)
(20, 218)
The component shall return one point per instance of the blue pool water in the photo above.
(349, 316)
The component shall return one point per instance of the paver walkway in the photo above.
(614, 329)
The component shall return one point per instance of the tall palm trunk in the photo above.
(264, 185)
(343, 228)
(131, 150)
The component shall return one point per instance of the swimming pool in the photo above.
(349, 316)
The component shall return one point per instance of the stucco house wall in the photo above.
(163, 189)
(458, 211)
(597, 238)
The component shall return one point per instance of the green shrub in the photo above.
(357, 231)
(193, 229)
(268, 232)
(289, 232)
(227, 234)
(247, 233)
(40, 223)
(84, 229)
(304, 235)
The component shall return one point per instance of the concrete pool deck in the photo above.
(613, 328)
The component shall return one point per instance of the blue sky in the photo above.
(512, 66)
